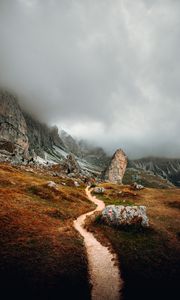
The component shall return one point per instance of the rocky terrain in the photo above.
(168, 169)
(23, 138)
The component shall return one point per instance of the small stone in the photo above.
(137, 186)
(76, 184)
(52, 184)
(99, 190)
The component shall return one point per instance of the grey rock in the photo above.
(51, 184)
(137, 186)
(125, 215)
(117, 167)
(71, 165)
(99, 190)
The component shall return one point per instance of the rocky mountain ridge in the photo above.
(24, 137)
(166, 168)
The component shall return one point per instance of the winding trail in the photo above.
(104, 273)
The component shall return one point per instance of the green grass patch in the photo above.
(113, 201)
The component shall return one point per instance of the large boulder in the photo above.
(117, 167)
(125, 215)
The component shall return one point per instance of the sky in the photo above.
(104, 70)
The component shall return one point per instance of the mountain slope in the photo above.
(166, 168)
(22, 134)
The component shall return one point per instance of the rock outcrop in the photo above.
(137, 186)
(70, 143)
(71, 165)
(13, 128)
(117, 167)
(99, 190)
(41, 137)
(120, 215)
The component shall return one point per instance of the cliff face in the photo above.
(94, 155)
(13, 128)
(70, 143)
(21, 134)
(41, 137)
(117, 167)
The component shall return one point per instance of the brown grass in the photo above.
(41, 255)
(149, 258)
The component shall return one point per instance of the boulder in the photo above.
(76, 184)
(51, 184)
(117, 167)
(99, 190)
(137, 186)
(125, 215)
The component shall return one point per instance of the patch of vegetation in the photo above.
(174, 204)
(149, 258)
(41, 254)
(117, 195)
(55, 213)
(115, 201)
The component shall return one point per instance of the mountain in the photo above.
(41, 137)
(94, 155)
(24, 137)
(70, 143)
(166, 168)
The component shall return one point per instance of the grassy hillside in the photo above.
(41, 255)
(149, 258)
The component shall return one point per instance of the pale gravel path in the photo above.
(104, 274)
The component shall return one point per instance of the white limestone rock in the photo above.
(125, 215)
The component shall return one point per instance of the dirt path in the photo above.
(104, 274)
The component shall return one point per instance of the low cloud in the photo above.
(107, 71)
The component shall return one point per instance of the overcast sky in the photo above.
(105, 70)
